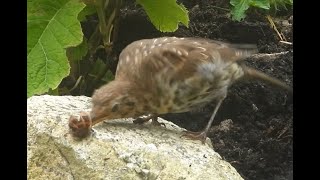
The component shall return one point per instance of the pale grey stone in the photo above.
(117, 149)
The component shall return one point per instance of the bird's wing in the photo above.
(144, 58)
(227, 51)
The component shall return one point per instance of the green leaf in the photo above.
(241, 6)
(100, 73)
(52, 27)
(87, 11)
(165, 15)
(263, 4)
(239, 9)
(278, 4)
(78, 52)
(97, 68)
(108, 77)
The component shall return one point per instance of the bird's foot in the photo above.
(142, 120)
(202, 135)
(155, 122)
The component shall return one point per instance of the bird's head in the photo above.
(117, 99)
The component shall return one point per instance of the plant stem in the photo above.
(106, 23)
(94, 41)
(100, 4)
(108, 13)
(116, 21)
(109, 24)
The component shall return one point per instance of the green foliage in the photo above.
(57, 49)
(78, 52)
(86, 11)
(240, 7)
(99, 68)
(276, 4)
(165, 15)
(52, 27)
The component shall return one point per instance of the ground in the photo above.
(253, 128)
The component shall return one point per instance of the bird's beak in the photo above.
(97, 117)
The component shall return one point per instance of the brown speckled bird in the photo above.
(172, 75)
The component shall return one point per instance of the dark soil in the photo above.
(257, 134)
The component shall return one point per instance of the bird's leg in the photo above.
(202, 135)
(154, 117)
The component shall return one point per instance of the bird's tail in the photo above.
(238, 52)
(255, 74)
(248, 49)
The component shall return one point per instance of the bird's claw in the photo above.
(154, 122)
(202, 136)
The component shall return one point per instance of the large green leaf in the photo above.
(87, 11)
(165, 15)
(52, 27)
(78, 52)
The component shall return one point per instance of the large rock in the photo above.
(117, 149)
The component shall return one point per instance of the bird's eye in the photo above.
(115, 108)
(130, 103)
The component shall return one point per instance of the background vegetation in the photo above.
(60, 48)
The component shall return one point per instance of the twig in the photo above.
(281, 36)
(270, 57)
(286, 42)
(285, 129)
(228, 10)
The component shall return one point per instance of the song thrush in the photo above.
(171, 75)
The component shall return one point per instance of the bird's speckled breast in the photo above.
(207, 84)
